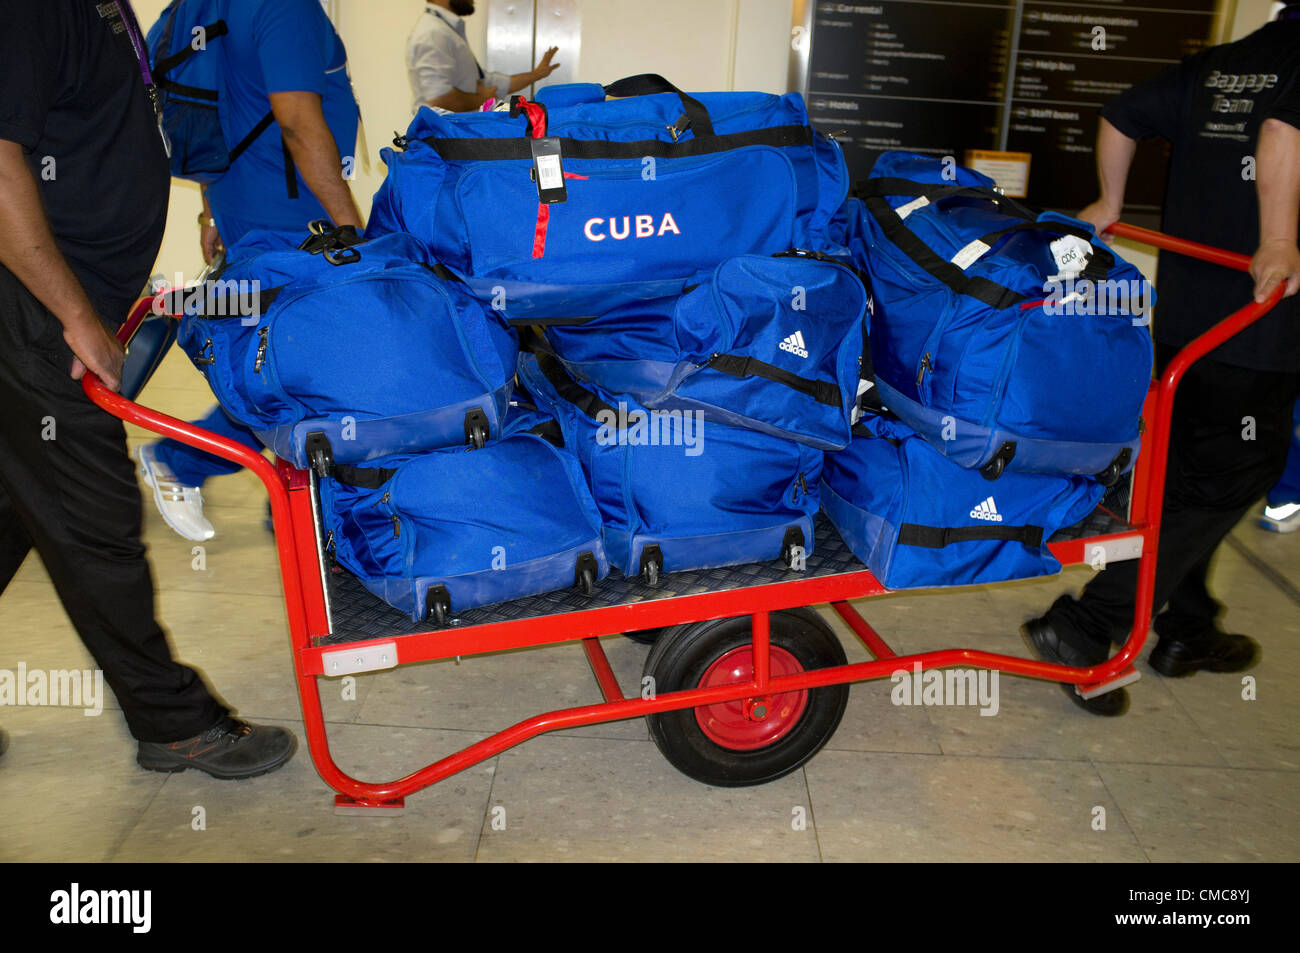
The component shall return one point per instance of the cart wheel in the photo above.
(644, 636)
(751, 741)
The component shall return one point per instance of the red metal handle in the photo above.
(1156, 459)
(1218, 256)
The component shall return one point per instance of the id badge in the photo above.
(167, 143)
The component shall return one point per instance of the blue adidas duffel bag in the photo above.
(348, 350)
(451, 530)
(918, 520)
(655, 186)
(774, 343)
(674, 491)
(1008, 339)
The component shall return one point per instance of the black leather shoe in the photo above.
(229, 750)
(1044, 642)
(1174, 658)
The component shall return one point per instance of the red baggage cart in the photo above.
(748, 683)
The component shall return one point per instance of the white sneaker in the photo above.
(181, 506)
(1282, 519)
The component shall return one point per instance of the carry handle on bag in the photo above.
(953, 272)
(934, 194)
(695, 116)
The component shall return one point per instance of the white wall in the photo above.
(698, 44)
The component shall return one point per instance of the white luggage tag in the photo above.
(548, 171)
(1072, 255)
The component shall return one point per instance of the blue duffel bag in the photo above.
(919, 520)
(1008, 339)
(454, 529)
(774, 343)
(675, 492)
(640, 192)
(347, 350)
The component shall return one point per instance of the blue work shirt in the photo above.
(276, 46)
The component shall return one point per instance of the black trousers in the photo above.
(68, 488)
(1230, 434)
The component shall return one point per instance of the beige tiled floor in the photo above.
(1192, 772)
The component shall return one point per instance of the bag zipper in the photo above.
(926, 365)
(262, 345)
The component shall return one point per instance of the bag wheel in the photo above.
(652, 564)
(587, 581)
(477, 438)
(1110, 476)
(754, 740)
(437, 605)
(994, 468)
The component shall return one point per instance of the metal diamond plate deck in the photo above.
(356, 615)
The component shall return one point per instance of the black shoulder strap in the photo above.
(733, 365)
(168, 61)
(569, 389)
(896, 230)
(1099, 263)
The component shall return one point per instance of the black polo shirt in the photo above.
(72, 96)
(1210, 107)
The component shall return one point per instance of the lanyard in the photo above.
(447, 24)
(137, 43)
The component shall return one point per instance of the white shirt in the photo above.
(438, 59)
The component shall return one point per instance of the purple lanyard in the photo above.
(137, 42)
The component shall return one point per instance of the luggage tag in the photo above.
(548, 171)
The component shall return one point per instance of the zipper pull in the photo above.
(925, 366)
(261, 350)
(803, 483)
(329, 544)
(385, 498)
(397, 527)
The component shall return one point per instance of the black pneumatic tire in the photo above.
(684, 655)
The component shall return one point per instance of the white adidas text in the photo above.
(988, 510)
(795, 345)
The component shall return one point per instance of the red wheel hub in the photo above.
(738, 725)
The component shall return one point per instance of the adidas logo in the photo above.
(794, 344)
(988, 510)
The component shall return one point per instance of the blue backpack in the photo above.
(642, 192)
(450, 530)
(675, 493)
(187, 72)
(774, 343)
(918, 520)
(1008, 339)
(344, 350)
